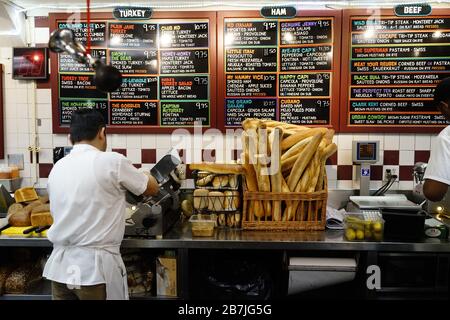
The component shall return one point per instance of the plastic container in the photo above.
(361, 227)
(203, 225)
(5, 173)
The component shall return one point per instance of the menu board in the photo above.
(166, 65)
(394, 64)
(285, 70)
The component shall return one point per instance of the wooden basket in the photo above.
(310, 213)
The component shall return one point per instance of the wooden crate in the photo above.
(309, 215)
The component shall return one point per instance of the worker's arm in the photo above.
(152, 186)
(434, 190)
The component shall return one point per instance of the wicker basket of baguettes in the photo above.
(284, 172)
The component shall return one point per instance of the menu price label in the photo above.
(260, 33)
(251, 85)
(184, 35)
(68, 107)
(306, 58)
(184, 87)
(400, 52)
(135, 61)
(184, 61)
(305, 111)
(79, 85)
(419, 37)
(251, 59)
(68, 64)
(98, 32)
(364, 79)
(179, 114)
(237, 110)
(306, 31)
(399, 24)
(132, 35)
(137, 88)
(392, 106)
(304, 84)
(133, 113)
(398, 119)
(401, 65)
(393, 93)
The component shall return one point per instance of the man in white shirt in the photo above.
(437, 174)
(87, 201)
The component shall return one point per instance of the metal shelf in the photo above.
(26, 297)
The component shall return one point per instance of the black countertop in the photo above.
(181, 237)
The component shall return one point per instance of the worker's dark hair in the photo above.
(442, 91)
(85, 124)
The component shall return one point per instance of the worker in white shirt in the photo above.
(437, 174)
(87, 200)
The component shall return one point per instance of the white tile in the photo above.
(391, 142)
(10, 111)
(332, 184)
(161, 153)
(26, 182)
(407, 142)
(22, 111)
(423, 142)
(394, 187)
(380, 161)
(360, 137)
(118, 141)
(6, 52)
(11, 140)
(406, 185)
(46, 126)
(147, 166)
(46, 140)
(23, 140)
(331, 172)
(406, 158)
(26, 172)
(377, 137)
(46, 156)
(18, 95)
(344, 185)
(148, 141)
(44, 111)
(335, 138)
(134, 155)
(11, 125)
(60, 140)
(26, 154)
(133, 141)
(344, 157)
(345, 141)
(41, 35)
(375, 185)
(43, 182)
(44, 96)
(23, 126)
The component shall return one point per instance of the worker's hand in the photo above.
(152, 185)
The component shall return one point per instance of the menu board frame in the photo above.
(172, 17)
(348, 14)
(252, 14)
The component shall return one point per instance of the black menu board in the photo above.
(279, 69)
(166, 70)
(394, 66)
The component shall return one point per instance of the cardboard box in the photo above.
(166, 276)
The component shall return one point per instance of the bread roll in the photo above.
(21, 218)
(221, 220)
(187, 207)
(15, 207)
(220, 181)
(232, 200)
(201, 199)
(216, 201)
(233, 181)
(41, 219)
(217, 167)
(205, 181)
(230, 220)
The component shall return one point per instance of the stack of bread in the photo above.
(32, 213)
(217, 191)
(283, 158)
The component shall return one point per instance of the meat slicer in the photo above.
(154, 216)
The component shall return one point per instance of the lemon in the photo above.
(360, 235)
(350, 234)
(376, 227)
(367, 234)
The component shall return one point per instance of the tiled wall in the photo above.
(398, 152)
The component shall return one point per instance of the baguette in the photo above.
(276, 175)
(302, 161)
(251, 182)
(233, 180)
(296, 149)
(220, 181)
(205, 181)
(293, 139)
(262, 172)
(232, 201)
(220, 168)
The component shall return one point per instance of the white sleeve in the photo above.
(130, 178)
(438, 167)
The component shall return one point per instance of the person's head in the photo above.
(88, 126)
(442, 97)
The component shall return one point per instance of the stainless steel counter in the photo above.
(180, 237)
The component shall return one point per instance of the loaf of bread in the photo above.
(15, 207)
(230, 220)
(216, 201)
(205, 181)
(200, 199)
(4, 273)
(21, 218)
(233, 181)
(220, 181)
(41, 208)
(19, 280)
(41, 219)
(232, 200)
(221, 220)
(217, 168)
